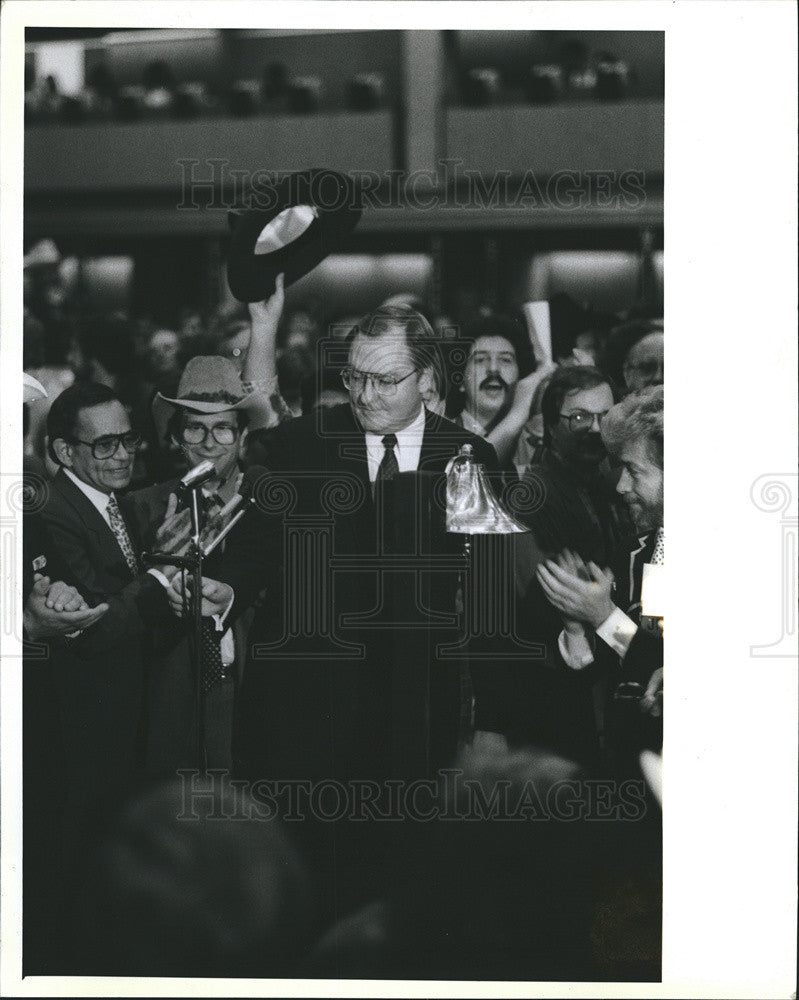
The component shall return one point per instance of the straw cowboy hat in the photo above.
(209, 384)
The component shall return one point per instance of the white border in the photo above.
(731, 725)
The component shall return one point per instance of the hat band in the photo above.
(219, 396)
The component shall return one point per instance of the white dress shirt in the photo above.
(408, 447)
(96, 497)
(617, 631)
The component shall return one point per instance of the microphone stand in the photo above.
(193, 563)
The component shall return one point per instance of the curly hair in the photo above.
(639, 415)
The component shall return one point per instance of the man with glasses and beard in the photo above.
(571, 507)
(99, 672)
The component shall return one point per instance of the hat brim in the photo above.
(251, 277)
(163, 407)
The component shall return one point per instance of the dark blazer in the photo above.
(100, 673)
(343, 668)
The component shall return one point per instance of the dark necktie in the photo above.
(211, 646)
(389, 467)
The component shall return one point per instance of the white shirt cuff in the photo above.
(575, 650)
(617, 631)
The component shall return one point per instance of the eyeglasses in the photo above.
(107, 445)
(582, 420)
(386, 385)
(198, 433)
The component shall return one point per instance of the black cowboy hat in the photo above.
(327, 209)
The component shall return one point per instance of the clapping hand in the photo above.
(580, 591)
(216, 596)
(175, 530)
(57, 609)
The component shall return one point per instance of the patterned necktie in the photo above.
(213, 672)
(657, 555)
(389, 467)
(212, 504)
(121, 534)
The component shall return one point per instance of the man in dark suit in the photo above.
(350, 544)
(344, 680)
(99, 672)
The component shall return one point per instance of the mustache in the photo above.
(493, 380)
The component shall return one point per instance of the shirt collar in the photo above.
(409, 435)
(470, 424)
(97, 497)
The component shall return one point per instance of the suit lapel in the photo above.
(344, 453)
(91, 519)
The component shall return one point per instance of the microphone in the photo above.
(244, 499)
(197, 476)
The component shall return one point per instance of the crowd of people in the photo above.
(318, 663)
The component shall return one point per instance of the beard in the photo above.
(645, 519)
(589, 449)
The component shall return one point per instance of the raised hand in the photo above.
(265, 315)
(174, 532)
(526, 387)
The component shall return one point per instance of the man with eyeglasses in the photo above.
(572, 507)
(99, 673)
(351, 546)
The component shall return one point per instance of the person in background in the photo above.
(602, 610)
(298, 329)
(295, 366)
(186, 887)
(234, 341)
(576, 508)
(194, 338)
(569, 506)
(495, 400)
(164, 359)
(633, 356)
